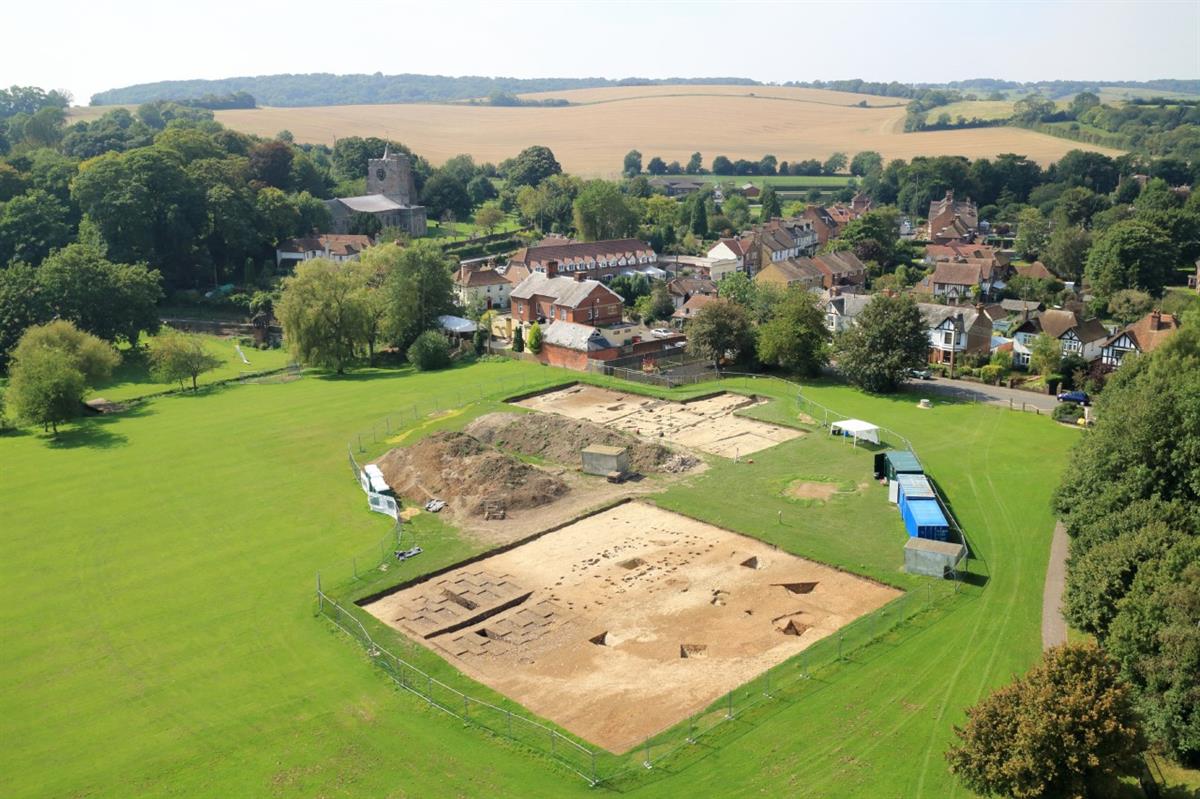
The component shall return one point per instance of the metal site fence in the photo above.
(750, 702)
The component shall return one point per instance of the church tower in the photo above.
(392, 177)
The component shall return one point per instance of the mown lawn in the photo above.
(133, 378)
(158, 623)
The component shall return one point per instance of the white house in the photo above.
(1076, 336)
(331, 246)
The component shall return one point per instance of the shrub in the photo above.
(1067, 412)
(991, 373)
(429, 352)
(535, 338)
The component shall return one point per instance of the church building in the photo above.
(391, 197)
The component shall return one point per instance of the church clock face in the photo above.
(380, 173)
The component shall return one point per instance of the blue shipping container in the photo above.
(923, 518)
(912, 486)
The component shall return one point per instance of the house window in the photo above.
(948, 338)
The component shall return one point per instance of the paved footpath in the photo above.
(1054, 626)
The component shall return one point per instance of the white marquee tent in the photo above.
(857, 429)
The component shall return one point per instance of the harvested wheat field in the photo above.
(707, 424)
(669, 121)
(626, 622)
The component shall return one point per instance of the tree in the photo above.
(518, 341)
(117, 302)
(489, 217)
(889, 340)
(699, 224)
(657, 166)
(534, 343)
(1094, 171)
(91, 357)
(1033, 107)
(795, 338)
(737, 210)
(601, 211)
(767, 165)
(866, 162)
(875, 237)
(31, 225)
(1066, 251)
(1045, 355)
(1131, 255)
(1129, 305)
(481, 189)
(23, 303)
(176, 357)
(834, 164)
(695, 165)
(445, 192)
(657, 304)
(632, 164)
(322, 312)
(1033, 232)
(719, 330)
(1068, 728)
(771, 207)
(271, 164)
(722, 166)
(45, 389)
(531, 166)
(420, 288)
(429, 351)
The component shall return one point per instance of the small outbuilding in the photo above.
(932, 558)
(610, 462)
(894, 461)
(856, 429)
(923, 518)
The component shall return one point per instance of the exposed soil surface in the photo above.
(624, 623)
(803, 490)
(559, 439)
(468, 474)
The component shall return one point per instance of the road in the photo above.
(981, 392)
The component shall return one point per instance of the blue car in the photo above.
(1079, 397)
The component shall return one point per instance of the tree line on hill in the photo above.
(360, 89)
(768, 165)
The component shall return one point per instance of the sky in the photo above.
(85, 46)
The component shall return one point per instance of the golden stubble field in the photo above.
(668, 121)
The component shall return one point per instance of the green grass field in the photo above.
(159, 628)
(974, 109)
(132, 376)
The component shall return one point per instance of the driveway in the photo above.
(981, 392)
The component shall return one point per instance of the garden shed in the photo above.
(932, 558)
(896, 461)
(923, 518)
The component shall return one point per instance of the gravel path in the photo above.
(1054, 626)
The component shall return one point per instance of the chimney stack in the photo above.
(580, 277)
(1155, 319)
(551, 268)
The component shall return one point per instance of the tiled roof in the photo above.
(1036, 270)
(336, 243)
(958, 274)
(582, 251)
(692, 306)
(1148, 332)
(562, 290)
(574, 336)
(479, 277)
(370, 203)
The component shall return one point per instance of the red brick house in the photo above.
(549, 297)
(823, 223)
(952, 220)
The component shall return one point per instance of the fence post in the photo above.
(466, 707)
(320, 596)
(509, 712)
(729, 712)
(593, 767)
(360, 447)
(429, 688)
(355, 568)
(841, 638)
(646, 762)
(553, 747)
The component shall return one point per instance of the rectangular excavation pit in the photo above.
(693, 650)
(708, 425)
(564, 669)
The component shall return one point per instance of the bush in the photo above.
(429, 352)
(535, 338)
(993, 373)
(1067, 412)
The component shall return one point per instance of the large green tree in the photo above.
(531, 166)
(323, 313)
(1131, 255)
(117, 302)
(419, 287)
(23, 303)
(1066, 251)
(795, 338)
(720, 330)
(1033, 232)
(1068, 728)
(31, 225)
(771, 206)
(601, 211)
(889, 339)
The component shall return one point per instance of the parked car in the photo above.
(1079, 397)
(662, 332)
(920, 374)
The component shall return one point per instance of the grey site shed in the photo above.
(932, 558)
(605, 461)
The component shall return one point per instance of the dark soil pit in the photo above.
(693, 650)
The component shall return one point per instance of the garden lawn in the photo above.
(159, 631)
